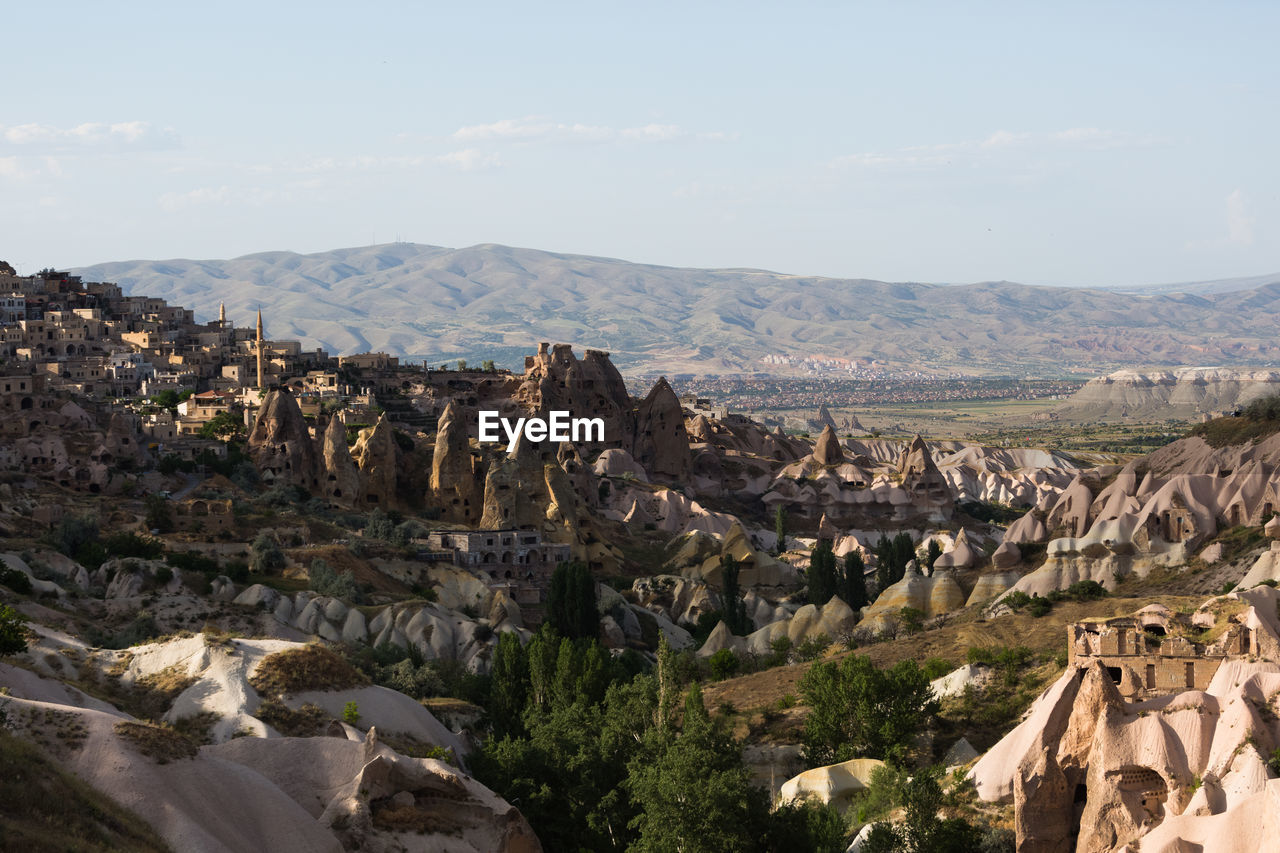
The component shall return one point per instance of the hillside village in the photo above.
(235, 558)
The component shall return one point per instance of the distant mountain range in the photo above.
(492, 301)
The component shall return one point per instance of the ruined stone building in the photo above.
(1156, 652)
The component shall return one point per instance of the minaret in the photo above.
(259, 349)
(222, 315)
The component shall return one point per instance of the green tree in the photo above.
(922, 830)
(854, 580)
(488, 366)
(224, 426)
(693, 793)
(571, 601)
(322, 578)
(13, 631)
(822, 574)
(932, 553)
(508, 686)
(265, 555)
(158, 516)
(733, 609)
(858, 710)
(780, 529)
(462, 364)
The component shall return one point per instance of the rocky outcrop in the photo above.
(1088, 771)
(341, 478)
(827, 450)
(457, 483)
(659, 441)
(1185, 393)
(280, 444)
(924, 482)
(378, 458)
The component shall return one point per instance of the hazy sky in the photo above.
(1065, 143)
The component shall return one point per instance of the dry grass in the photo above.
(415, 818)
(44, 809)
(1045, 636)
(198, 728)
(312, 667)
(303, 722)
(160, 743)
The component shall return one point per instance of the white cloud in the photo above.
(1239, 222)
(470, 160)
(998, 143)
(124, 135)
(654, 132)
(531, 128)
(11, 168)
(221, 195)
(542, 129)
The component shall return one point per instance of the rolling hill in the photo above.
(491, 301)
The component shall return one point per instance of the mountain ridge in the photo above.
(495, 301)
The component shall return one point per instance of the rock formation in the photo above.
(378, 458)
(280, 444)
(659, 441)
(1168, 772)
(456, 480)
(341, 477)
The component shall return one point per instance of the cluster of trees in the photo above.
(847, 580)
(601, 757)
(892, 556)
(858, 710)
(571, 602)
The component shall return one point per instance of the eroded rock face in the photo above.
(457, 483)
(341, 477)
(378, 458)
(659, 440)
(1120, 775)
(280, 444)
(555, 379)
(828, 451)
(924, 482)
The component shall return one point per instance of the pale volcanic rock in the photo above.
(832, 784)
(932, 596)
(1006, 556)
(1137, 761)
(341, 481)
(992, 584)
(1027, 529)
(616, 462)
(280, 444)
(378, 458)
(1071, 510)
(1181, 394)
(827, 450)
(456, 482)
(961, 555)
(954, 683)
(659, 440)
(946, 594)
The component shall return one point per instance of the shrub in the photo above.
(724, 664)
(15, 580)
(13, 631)
(813, 647)
(312, 667)
(351, 713)
(935, 668)
(323, 579)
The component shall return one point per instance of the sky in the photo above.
(1081, 144)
